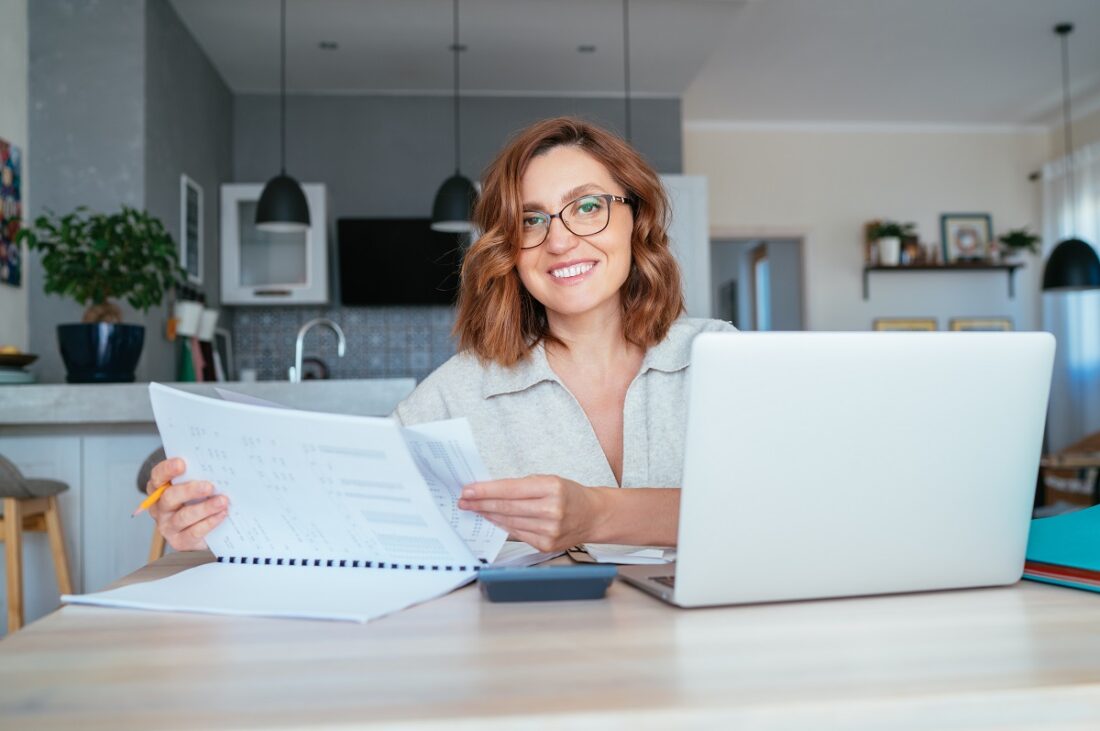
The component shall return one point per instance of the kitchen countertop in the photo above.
(128, 403)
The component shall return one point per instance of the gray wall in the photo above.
(86, 132)
(188, 129)
(387, 155)
(121, 101)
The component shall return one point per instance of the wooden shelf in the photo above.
(1010, 269)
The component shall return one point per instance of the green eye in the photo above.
(534, 220)
(588, 206)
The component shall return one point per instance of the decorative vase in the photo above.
(100, 352)
(889, 251)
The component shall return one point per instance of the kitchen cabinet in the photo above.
(264, 267)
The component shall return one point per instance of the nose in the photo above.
(559, 239)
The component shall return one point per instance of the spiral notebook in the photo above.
(331, 516)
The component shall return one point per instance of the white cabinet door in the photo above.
(56, 458)
(689, 236)
(115, 543)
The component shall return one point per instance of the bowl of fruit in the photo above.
(13, 357)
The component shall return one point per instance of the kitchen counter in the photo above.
(128, 403)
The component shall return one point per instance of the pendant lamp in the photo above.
(455, 199)
(1073, 264)
(282, 207)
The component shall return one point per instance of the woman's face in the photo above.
(574, 275)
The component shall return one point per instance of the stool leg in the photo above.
(156, 549)
(57, 547)
(13, 559)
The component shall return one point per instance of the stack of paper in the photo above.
(331, 516)
(1065, 550)
(623, 554)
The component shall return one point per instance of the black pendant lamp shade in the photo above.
(454, 202)
(283, 207)
(1073, 264)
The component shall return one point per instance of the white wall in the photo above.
(13, 128)
(823, 184)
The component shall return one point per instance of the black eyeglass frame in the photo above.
(609, 197)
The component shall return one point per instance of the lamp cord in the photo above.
(1064, 32)
(626, 62)
(282, 89)
(454, 48)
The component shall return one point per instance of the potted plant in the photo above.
(96, 258)
(888, 235)
(1017, 241)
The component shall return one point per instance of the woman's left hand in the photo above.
(544, 511)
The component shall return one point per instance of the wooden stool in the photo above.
(145, 473)
(29, 505)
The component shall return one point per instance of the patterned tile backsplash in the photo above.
(382, 342)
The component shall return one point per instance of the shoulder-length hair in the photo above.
(498, 319)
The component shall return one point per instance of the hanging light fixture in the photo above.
(1073, 264)
(455, 199)
(282, 207)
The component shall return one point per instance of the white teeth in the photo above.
(573, 270)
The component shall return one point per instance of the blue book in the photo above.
(1065, 550)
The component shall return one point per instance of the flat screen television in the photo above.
(396, 261)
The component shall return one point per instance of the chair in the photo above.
(145, 472)
(1072, 476)
(29, 505)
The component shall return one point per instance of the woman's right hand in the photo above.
(184, 526)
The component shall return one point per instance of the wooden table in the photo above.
(1025, 656)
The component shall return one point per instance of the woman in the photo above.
(573, 355)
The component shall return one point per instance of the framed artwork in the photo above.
(11, 178)
(965, 236)
(980, 324)
(191, 229)
(904, 324)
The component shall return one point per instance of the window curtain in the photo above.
(1073, 317)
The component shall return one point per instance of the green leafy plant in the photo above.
(96, 257)
(1019, 239)
(885, 228)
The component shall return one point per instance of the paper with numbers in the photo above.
(315, 486)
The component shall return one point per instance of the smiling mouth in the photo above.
(572, 271)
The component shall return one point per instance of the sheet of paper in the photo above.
(633, 555)
(517, 554)
(448, 460)
(244, 398)
(308, 485)
(356, 595)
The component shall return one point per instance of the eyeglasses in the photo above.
(586, 216)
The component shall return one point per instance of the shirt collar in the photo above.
(670, 355)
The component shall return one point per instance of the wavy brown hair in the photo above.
(498, 319)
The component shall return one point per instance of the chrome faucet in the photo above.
(296, 369)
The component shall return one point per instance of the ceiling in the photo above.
(951, 62)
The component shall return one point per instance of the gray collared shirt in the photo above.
(526, 421)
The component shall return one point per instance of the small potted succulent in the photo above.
(888, 235)
(1015, 242)
(95, 258)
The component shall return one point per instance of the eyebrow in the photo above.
(566, 197)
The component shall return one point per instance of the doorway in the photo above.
(757, 283)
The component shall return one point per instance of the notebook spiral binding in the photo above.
(347, 563)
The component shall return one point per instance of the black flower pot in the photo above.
(100, 352)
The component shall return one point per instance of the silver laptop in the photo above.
(843, 464)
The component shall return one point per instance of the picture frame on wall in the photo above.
(904, 324)
(11, 212)
(980, 324)
(191, 229)
(966, 237)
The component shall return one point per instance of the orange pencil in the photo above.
(152, 499)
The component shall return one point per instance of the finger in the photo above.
(194, 538)
(532, 507)
(189, 515)
(539, 541)
(517, 487)
(513, 523)
(176, 495)
(164, 471)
